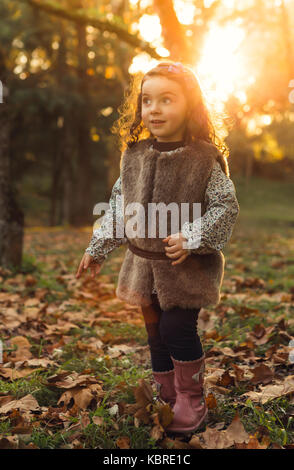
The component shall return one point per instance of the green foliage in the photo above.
(45, 440)
(272, 417)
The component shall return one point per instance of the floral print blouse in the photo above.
(216, 224)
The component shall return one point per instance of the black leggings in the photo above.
(171, 333)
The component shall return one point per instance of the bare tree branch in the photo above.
(101, 24)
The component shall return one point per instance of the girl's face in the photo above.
(164, 108)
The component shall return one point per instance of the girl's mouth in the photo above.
(157, 123)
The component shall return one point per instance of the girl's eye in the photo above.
(147, 100)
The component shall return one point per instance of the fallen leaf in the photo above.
(14, 374)
(211, 401)
(27, 404)
(123, 442)
(268, 392)
(234, 434)
(236, 431)
(8, 442)
(262, 374)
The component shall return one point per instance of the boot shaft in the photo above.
(189, 375)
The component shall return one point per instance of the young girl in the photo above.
(170, 155)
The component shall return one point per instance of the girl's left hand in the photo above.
(175, 248)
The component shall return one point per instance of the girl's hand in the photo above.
(175, 248)
(88, 262)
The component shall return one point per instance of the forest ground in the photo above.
(76, 369)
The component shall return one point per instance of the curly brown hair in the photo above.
(130, 127)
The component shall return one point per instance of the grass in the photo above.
(265, 202)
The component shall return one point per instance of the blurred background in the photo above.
(64, 69)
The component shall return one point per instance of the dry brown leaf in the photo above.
(81, 396)
(236, 431)
(253, 444)
(168, 443)
(119, 349)
(5, 399)
(212, 376)
(211, 401)
(26, 404)
(212, 334)
(260, 335)
(19, 424)
(234, 434)
(84, 420)
(31, 302)
(123, 442)
(61, 327)
(143, 406)
(9, 442)
(163, 414)
(239, 373)
(157, 432)
(11, 318)
(143, 415)
(226, 379)
(258, 331)
(23, 348)
(39, 362)
(54, 378)
(14, 374)
(214, 439)
(196, 443)
(143, 393)
(30, 280)
(268, 392)
(221, 390)
(262, 374)
(73, 380)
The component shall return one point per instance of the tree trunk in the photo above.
(55, 193)
(11, 217)
(68, 181)
(83, 198)
(59, 162)
(172, 30)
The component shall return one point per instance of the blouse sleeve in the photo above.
(214, 229)
(104, 240)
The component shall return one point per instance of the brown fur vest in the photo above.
(181, 175)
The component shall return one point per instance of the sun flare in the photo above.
(221, 67)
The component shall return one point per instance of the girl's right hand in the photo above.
(87, 261)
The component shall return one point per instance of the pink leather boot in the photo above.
(165, 386)
(190, 409)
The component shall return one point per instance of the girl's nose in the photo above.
(154, 108)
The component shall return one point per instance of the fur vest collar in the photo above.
(176, 176)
